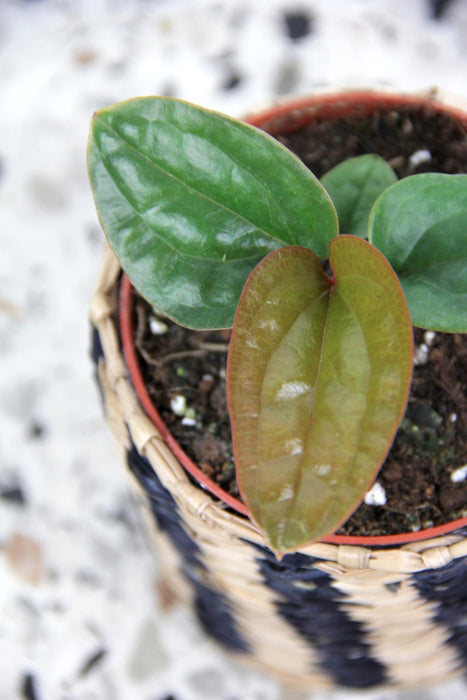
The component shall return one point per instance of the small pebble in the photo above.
(13, 494)
(26, 558)
(148, 656)
(206, 383)
(8, 308)
(85, 56)
(178, 405)
(459, 474)
(28, 688)
(36, 430)
(407, 127)
(439, 7)
(49, 193)
(11, 489)
(298, 24)
(232, 80)
(419, 157)
(157, 326)
(92, 662)
(166, 596)
(416, 526)
(420, 355)
(429, 337)
(376, 496)
(207, 683)
(287, 76)
(425, 417)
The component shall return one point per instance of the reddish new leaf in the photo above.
(318, 378)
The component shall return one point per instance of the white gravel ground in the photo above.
(77, 574)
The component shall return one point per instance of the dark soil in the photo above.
(432, 440)
(396, 136)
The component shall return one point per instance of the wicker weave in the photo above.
(329, 615)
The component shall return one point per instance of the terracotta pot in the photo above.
(350, 611)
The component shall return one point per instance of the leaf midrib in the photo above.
(299, 472)
(182, 182)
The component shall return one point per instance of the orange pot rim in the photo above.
(299, 111)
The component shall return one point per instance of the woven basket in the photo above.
(333, 614)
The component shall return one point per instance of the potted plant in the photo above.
(217, 225)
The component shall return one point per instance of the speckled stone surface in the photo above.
(80, 615)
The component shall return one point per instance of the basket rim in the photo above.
(299, 109)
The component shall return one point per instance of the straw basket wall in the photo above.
(330, 615)
(337, 613)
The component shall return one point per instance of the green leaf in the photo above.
(420, 224)
(317, 381)
(354, 186)
(192, 200)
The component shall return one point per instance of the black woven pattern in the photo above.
(163, 507)
(96, 346)
(447, 588)
(314, 608)
(97, 354)
(211, 606)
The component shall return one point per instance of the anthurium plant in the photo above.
(218, 225)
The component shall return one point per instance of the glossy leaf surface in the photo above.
(192, 200)
(317, 382)
(420, 225)
(354, 186)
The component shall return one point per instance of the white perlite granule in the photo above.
(157, 326)
(429, 337)
(421, 352)
(419, 157)
(459, 474)
(376, 496)
(420, 355)
(178, 405)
